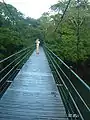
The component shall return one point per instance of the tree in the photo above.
(16, 31)
(70, 38)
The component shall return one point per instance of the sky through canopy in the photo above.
(32, 8)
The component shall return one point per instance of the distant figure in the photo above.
(37, 46)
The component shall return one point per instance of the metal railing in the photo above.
(74, 91)
(10, 66)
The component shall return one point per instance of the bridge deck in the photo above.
(33, 94)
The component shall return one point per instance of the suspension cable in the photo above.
(62, 15)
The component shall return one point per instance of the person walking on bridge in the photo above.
(37, 46)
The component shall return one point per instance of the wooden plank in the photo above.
(33, 94)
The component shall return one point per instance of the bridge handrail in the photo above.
(69, 69)
(11, 65)
(69, 94)
(81, 104)
(1, 61)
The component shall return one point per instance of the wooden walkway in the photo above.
(33, 94)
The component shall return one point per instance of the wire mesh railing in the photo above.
(74, 91)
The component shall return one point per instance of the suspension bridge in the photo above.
(41, 87)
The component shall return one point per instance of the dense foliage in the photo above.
(69, 38)
(16, 31)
